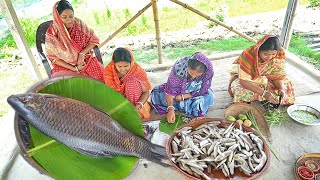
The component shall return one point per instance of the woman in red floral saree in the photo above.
(260, 74)
(69, 44)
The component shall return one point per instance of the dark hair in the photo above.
(194, 64)
(121, 54)
(272, 43)
(63, 5)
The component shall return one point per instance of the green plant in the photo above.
(127, 14)
(314, 3)
(8, 41)
(96, 17)
(108, 13)
(29, 27)
(299, 46)
(144, 21)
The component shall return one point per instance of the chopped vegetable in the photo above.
(275, 117)
(304, 116)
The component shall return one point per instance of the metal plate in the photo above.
(310, 109)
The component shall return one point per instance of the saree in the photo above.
(250, 69)
(65, 44)
(130, 84)
(202, 97)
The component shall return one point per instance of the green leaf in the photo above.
(64, 163)
(168, 128)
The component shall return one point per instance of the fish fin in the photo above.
(159, 154)
(93, 153)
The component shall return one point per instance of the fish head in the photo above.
(26, 104)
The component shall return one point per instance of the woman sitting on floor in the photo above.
(128, 78)
(261, 75)
(69, 44)
(187, 89)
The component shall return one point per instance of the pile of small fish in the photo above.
(210, 147)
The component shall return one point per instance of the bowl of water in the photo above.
(304, 114)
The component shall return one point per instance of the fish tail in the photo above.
(158, 155)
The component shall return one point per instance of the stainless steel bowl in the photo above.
(310, 109)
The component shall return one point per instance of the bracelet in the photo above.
(170, 107)
(77, 68)
(53, 61)
(140, 104)
(264, 93)
(182, 97)
(83, 54)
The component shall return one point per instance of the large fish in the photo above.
(82, 127)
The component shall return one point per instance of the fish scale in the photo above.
(82, 127)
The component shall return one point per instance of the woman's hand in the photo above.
(80, 60)
(171, 117)
(282, 93)
(269, 97)
(81, 67)
(179, 97)
(139, 106)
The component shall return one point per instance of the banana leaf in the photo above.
(169, 128)
(62, 162)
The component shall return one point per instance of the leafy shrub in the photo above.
(108, 13)
(29, 27)
(314, 3)
(96, 17)
(127, 14)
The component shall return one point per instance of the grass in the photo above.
(300, 46)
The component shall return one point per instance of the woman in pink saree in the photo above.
(69, 44)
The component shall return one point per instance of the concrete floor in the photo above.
(290, 141)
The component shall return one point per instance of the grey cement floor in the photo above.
(289, 141)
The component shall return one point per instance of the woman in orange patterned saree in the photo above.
(128, 78)
(261, 75)
(69, 44)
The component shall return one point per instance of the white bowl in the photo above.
(310, 109)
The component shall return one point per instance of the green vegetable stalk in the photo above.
(254, 123)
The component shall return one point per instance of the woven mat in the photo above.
(303, 85)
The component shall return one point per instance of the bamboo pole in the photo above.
(287, 23)
(213, 20)
(125, 25)
(156, 23)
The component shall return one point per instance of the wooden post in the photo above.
(20, 39)
(213, 20)
(156, 23)
(287, 24)
(125, 25)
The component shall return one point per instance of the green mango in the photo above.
(243, 117)
(231, 118)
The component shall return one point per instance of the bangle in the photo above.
(53, 61)
(83, 54)
(76, 68)
(182, 97)
(170, 107)
(264, 93)
(140, 104)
